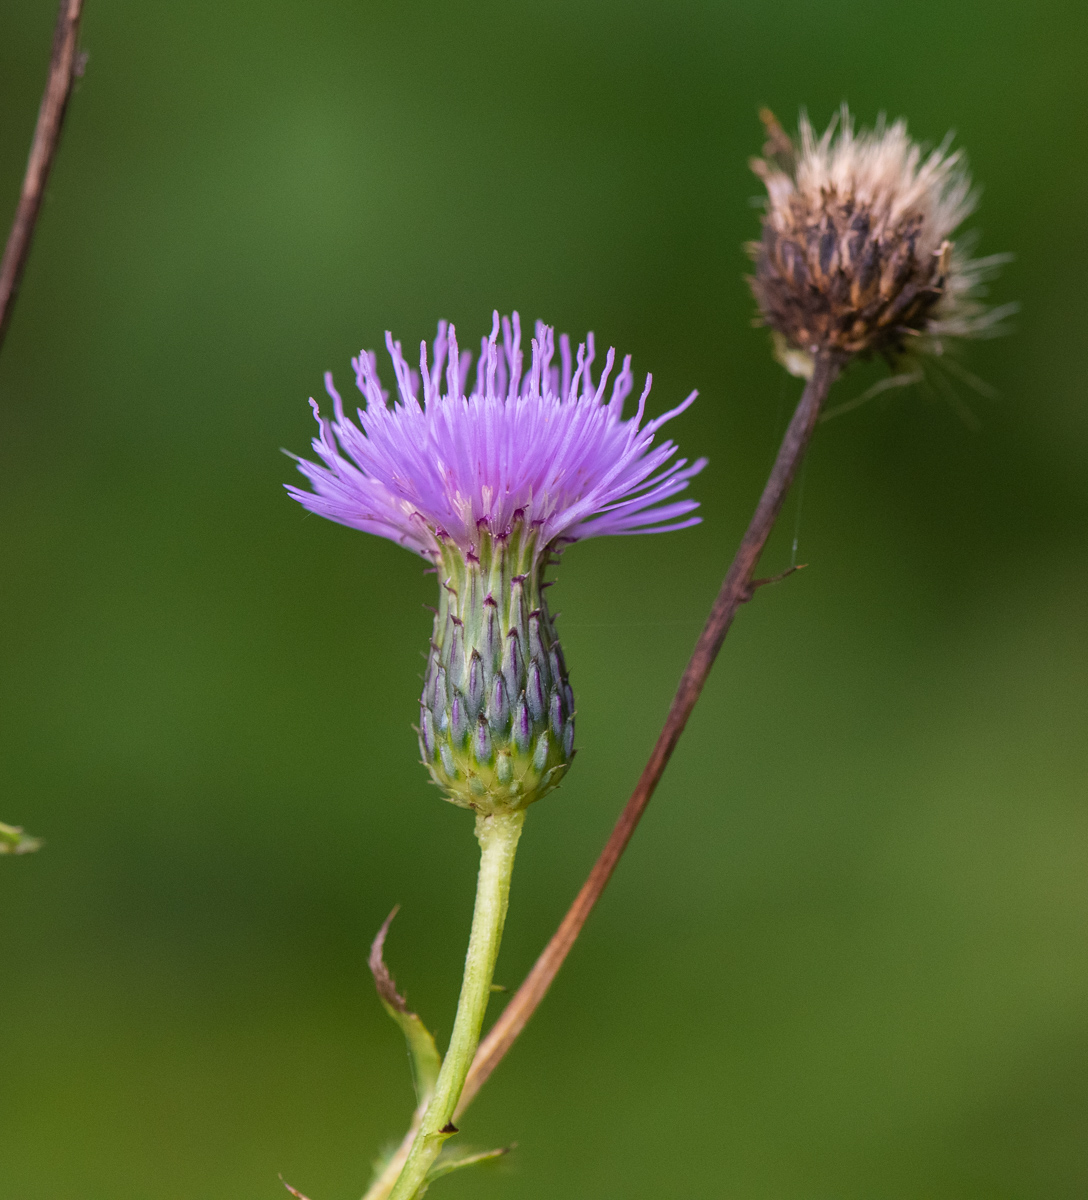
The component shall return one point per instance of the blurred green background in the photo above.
(845, 955)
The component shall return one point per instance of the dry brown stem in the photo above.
(737, 588)
(64, 67)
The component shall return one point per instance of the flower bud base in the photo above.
(497, 712)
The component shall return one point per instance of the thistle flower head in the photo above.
(487, 484)
(857, 255)
(543, 447)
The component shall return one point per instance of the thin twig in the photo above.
(64, 67)
(735, 591)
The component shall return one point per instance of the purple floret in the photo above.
(544, 447)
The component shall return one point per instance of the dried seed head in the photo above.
(856, 256)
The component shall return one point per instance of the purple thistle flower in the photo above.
(484, 484)
(543, 447)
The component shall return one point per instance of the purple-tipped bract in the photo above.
(543, 447)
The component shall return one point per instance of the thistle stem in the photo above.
(383, 1185)
(737, 588)
(498, 837)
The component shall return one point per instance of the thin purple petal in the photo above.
(543, 443)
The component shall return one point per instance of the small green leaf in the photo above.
(14, 841)
(464, 1156)
(422, 1052)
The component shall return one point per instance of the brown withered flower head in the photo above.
(857, 256)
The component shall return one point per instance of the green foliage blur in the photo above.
(845, 955)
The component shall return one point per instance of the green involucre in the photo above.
(497, 711)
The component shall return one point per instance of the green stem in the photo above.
(498, 836)
(383, 1185)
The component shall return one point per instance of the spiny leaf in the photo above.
(422, 1052)
(14, 841)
